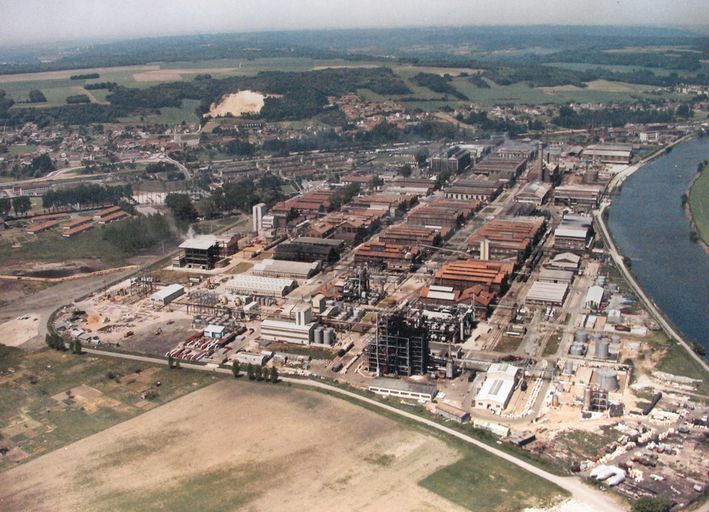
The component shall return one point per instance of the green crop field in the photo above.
(699, 205)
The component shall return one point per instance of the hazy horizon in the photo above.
(35, 21)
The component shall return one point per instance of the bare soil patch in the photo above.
(234, 446)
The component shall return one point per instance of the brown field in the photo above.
(236, 446)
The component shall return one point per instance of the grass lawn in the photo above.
(314, 352)
(508, 343)
(34, 422)
(468, 483)
(699, 205)
(552, 344)
(677, 362)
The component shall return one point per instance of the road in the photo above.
(588, 498)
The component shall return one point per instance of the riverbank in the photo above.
(697, 206)
(635, 227)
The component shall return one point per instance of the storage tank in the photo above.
(577, 349)
(587, 398)
(318, 335)
(615, 339)
(568, 368)
(607, 379)
(602, 351)
(581, 336)
(329, 336)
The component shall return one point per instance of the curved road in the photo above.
(590, 499)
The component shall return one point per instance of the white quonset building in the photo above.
(285, 268)
(497, 389)
(594, 297)
(260, 286)
(166, 295)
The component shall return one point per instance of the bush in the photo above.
(657, 504)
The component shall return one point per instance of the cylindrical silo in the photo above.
(577, 349)
(329, 336)
(568, 368)
(607, 379)
(587, 398)
(318, 335)
(602, 351)
(581, 336)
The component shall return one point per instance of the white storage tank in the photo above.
(602, 348)
(318, 335)
(581, 336)
(607, 379)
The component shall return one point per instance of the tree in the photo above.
(405, 171)
(181, 207)
(21, 204)
(5, 205)
(274, 375)
(37, 96)
(656, 504)
(421, 157)
(250, 371)
(258, 372)
(236, 369)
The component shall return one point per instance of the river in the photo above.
(650, 227)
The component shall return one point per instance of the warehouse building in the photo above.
(565, 261)
(416, 186)
(496, 391)
(166, 295)
(403, 389)
(410, 236)
(259, 286)
(609, 153)
(575, 233)
(463, 274)
(511, 238)
(394, 204)
(535, 193)
(549, 275)
(467, 189)
(454, 160)
(285, 268)
(547, 293)
(435, 216)
(503, 169)
(581, 196)
(452, 413)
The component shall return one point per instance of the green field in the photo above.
(35, 423)
(467, 483)
(699, 205)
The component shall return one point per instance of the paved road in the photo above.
(589, 498)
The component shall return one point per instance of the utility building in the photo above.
(201, 252)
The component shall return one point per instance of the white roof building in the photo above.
(594, 297)
(285, 268)
(565, 261)
(243, 284)
(542, 292)
(168, 294)
(497, 389)
(202, 242)
(288, 331)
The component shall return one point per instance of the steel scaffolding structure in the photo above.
(400, 347)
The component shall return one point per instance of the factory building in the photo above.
(496, 391)
(247, 358)
(299, 330)
(435, 216)
(505, 170)
(394, 204)
(511, 238)
(308, 204)
(463, 274)
(609, 153)
(243, 284)
(454, 159)
(166, 295)
(517, 150)
(390, 256)
(476, 296)
(594, 297)
(466, 208)
(416, 186)
(410, 236)
(575, 233)
(565, 261)
(400, 347)
(549, 275)
(309, 249)
(285, 268)
(479, 188)
(547, 293)
(403, 389)
(201, 252)
(534, 193)
(581, 196)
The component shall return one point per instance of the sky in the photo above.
(28, 21)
